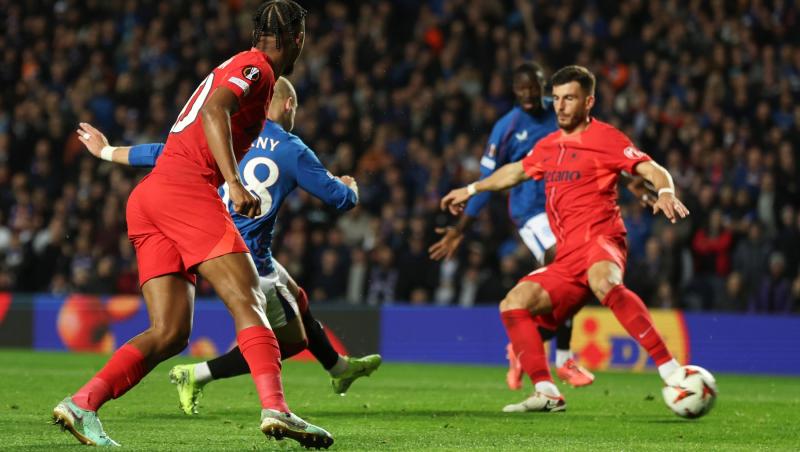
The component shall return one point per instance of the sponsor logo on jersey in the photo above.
(633, 153)
(522, 136)
(562, 176)
(251, 73)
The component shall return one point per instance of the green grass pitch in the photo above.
(401, 407)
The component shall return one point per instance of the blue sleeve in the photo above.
(145, 155)
(315, 179)
(493, 157)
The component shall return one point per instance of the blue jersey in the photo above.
(276, 163)
(512, 138)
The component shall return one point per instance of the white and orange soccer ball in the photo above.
(690, 391)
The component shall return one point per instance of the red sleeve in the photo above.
(246, 74)
(532, 164)
(623, 155)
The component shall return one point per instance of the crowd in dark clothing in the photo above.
(402, 95)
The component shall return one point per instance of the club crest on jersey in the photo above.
(251, 73)
(633, 153)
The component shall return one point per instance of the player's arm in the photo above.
(216, 120)
(505, 177)
(662, 183)
(452, 236)
(141, 155)
(641, 189)
(341, 193)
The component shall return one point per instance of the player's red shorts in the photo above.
(566, 280)
(175, 225)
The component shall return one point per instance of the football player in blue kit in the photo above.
(512, 138)
(277, 162)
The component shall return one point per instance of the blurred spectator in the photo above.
(750, 258)
(774, 294)
(710, 89)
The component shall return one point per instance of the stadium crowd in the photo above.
(402, 95)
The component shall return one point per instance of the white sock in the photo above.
(202, 374)
(548, 388)
(666, 369)
(339, 368)
(562, 356)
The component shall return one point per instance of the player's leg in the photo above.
(567, 369)
(517, 311)
(344, 370)
(541, 242)
(605, 280)
(169, 300)
(236, 282)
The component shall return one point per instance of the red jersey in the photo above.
(580, 174)
(186, 154)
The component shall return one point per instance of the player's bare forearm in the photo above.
(641, 189)
(655, 174)
(216, 118)
(505, 177)
(667, 202)
(464, 223)
(97, 144)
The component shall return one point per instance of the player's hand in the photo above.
(351, 183)
(455, 200)
(447, 245)
(646, 197)
(93, 139)
(244, 202)
(671, 206)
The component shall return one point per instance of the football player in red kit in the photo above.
(580, 165)
(179, 227)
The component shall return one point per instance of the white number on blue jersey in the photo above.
(253, 184)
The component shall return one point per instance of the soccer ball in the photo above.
(690, 391)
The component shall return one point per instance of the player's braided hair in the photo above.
(277, 18)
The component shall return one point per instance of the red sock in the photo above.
(631, 312)
(261, 351)
(122, 372)
(527, 343)
(302, 300)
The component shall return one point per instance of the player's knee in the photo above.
(172, 341)
(603, 286)
(531, 298)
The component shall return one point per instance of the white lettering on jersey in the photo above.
(264, 142)
(253, 184)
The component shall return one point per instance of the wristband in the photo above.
(471, 189)
(666, 190)
(107, 153)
